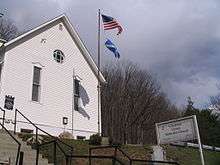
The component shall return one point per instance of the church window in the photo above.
(36, 84)
(58, 56)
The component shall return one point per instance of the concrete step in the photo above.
(7, 144)
(4, 159)
(28, 158)
(30, 154)
(8, 139)
(8, 149)
(14, 147)
(14, 152)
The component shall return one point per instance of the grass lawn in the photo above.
(191, 156)
(185, 156)
(81, 147)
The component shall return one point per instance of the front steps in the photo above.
(8, 151)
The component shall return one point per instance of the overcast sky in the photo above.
(178, 40)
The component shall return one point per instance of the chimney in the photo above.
(2, 41)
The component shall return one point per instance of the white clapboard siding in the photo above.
(56, 94)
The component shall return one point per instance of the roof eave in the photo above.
(74, 34)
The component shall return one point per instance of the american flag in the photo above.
(111, 23)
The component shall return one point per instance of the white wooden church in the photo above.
(52, 77)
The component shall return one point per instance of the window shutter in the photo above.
(77, 87)
(76, 94)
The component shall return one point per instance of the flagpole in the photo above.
(99, 63)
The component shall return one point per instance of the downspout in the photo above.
(73, 91)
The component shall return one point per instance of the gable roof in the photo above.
(73, 34)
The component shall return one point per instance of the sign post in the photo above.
(199, 140)
(182, 129)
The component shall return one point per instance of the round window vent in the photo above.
(58, 56)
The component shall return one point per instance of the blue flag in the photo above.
(112, 48)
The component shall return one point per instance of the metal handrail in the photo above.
(19, 144)
(97, 157)
(131, 160)
(126, 155)
(16, 110)
(3, 117)
(115, 152)
(55, 139)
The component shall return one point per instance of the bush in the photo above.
(65, 135)
(25, 136)
(116, 143)
(95, 139)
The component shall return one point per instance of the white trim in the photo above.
(32, 31)
(83, 47)
(52, 126)
(174, 120)
(78, 78)
(38, 64)
(74, 35)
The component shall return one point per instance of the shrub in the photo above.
(116, 143)
(65, 135)
(95, 139)
(25, 136)
(110, 140)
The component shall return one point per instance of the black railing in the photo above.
(114, 157)
(55, 141)
(19, 144)
(131, 160)
(102, 157)
(3, 116)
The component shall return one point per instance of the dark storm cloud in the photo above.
(177, 40)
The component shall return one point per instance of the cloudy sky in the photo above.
(178, 40)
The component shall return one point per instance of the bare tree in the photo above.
(8, 30)
(131, 103)
(215, 100)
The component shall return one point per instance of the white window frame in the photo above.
(39, 85)
(62, 56)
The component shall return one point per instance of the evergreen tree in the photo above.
(209, 125)
(190, 109)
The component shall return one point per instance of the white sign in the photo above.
(182, 129)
